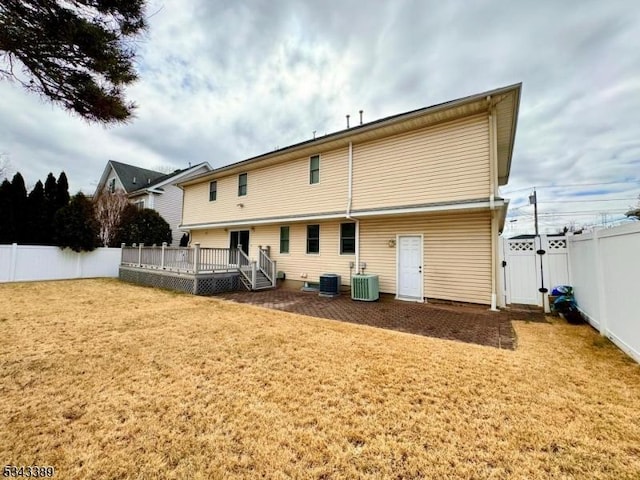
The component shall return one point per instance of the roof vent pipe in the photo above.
(361, 117)
(348, 120)
(134, 180)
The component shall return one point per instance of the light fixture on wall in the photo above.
(391, 243)
(240, 205)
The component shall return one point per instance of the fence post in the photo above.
(164, 245)
(196, 259)
(122, 246)
(602, 307)
(546, 279)
(140, 254)
(14, 261)
(254, 273)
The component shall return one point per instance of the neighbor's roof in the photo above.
(506, 101)
(134, 178)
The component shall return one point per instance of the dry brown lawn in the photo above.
(106, 380)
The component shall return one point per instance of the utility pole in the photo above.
(533, 200)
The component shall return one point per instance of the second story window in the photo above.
(242, 184)
(112, 185)
(213, 191)
(313, 238)
(314, 169)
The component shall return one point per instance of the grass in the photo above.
(106, 380)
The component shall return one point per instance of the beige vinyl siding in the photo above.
(447, 162)
(297, 262)
(277, 190)
(457, 253)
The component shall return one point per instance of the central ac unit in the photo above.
(329, 285)
(365, 288)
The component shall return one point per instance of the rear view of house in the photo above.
(412, 198)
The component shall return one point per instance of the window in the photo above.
(213, 191)
(313, 238)
(347, 238)
(139, 205)
(314, 169)
(284, 239)
(112, 185)
(242, 184)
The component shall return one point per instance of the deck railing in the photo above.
(266, 265)
(197, 260)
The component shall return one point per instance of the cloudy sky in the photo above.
(223, 80)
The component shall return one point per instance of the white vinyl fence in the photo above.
(605, 273)
(23, 263)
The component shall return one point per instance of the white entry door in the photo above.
(409, 268)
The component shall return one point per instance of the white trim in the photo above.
(184, 174)
(333, 216)
(280, 240)
(306, 240)
(355, 223)
(410, 299)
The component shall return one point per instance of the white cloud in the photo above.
(222, 81)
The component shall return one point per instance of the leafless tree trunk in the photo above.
(108, 208)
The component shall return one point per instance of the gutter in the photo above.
(493, 165)
(349, 202)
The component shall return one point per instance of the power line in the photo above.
(574, 185)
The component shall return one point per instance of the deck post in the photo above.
(122, 246)
(164, 245)
(274, 275)
(196, 257)
(254, 274)
(140, 254)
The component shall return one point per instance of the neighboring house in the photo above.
(150, 189)
(412, 198)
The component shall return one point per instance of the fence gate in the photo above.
(530, 264)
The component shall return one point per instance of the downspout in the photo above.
(349, 202)
(493, 159)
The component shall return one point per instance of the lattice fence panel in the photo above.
(524, 246)
(159, 280)
(216, 284)
(557, 244)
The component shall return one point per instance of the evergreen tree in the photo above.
(62, 191)
(36, 216)
(50, 207)
(6, 213)
(142, 226)
(18, 213)
(75, 225)
(77, 53)
(184, 241)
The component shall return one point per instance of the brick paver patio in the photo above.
(466, 323)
